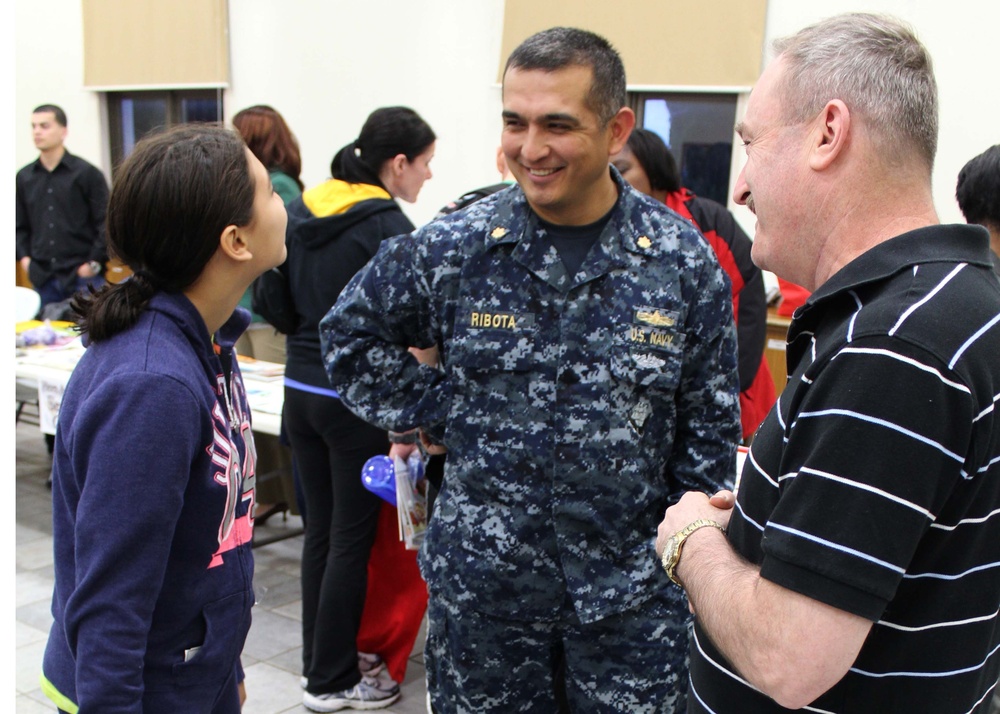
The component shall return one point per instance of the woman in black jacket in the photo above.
(333, 230)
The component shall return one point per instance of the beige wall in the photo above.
(707, 43)
(155, 44)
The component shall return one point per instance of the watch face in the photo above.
(669, 553)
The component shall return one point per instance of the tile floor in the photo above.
(272, 656)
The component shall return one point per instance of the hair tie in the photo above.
(145, 276)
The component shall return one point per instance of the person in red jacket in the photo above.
(647, 164)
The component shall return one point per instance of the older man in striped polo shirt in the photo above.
(859, 569)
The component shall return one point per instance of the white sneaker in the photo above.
(369, 663)
(366, 694)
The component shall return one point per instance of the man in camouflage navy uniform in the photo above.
(587, 378)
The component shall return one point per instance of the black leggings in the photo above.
(331, 445)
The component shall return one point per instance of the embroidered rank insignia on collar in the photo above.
(499, 232)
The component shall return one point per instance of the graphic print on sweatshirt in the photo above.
(238, 475)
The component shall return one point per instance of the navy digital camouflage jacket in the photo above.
(575, 409)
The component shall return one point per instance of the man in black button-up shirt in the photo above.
(61, 204)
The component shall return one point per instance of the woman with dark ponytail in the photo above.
(333, 230)
(393, 152)
(153, 467)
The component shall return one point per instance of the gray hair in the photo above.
(876, 65)
(561, 47)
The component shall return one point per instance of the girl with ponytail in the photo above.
(153, 466)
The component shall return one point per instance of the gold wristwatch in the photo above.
(672, 550)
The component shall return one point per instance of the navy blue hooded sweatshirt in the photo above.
(333, 231)
(152, 485)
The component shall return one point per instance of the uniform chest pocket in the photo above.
(495, 343)
(648, 357)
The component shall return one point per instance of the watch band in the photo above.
(672, 550)
(403, 437)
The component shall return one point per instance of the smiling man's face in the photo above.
(556, 145)
(775, 180)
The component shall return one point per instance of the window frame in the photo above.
(638, 96)
(174, 98)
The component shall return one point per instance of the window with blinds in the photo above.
(155, 45)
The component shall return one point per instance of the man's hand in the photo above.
(692, 506)
(787, 645)
(428, 356)
(85, 271)
(25, 262)
(724, 499)
(243, 693)
(431, 448)
(403, 451)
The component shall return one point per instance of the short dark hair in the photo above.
(652, 153)
(269, 139)
(387, 132)
(56, 110)
(171, 200)
(561, 47)
(978, 189)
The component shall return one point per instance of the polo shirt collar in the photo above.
(956, 243)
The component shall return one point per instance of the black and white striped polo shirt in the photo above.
(874, 485)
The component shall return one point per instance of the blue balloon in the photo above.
(379, 476)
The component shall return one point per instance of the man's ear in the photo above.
(832, 134)
(621, 126)
(233, 244)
